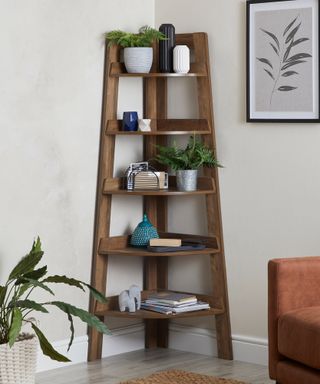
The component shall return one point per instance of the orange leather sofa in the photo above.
(294, 320)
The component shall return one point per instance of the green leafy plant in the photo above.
(144, 38)
(16, 304)
(193, 156)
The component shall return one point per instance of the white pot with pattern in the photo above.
(138, 59)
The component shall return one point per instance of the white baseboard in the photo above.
(199, 340)
(121, 340)
(181, 337)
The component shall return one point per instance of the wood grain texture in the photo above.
(163, 126)
(196, 70)
(103, 203)
(218, 268)
(117, 186)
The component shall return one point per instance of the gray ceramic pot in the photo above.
(187, 180)
(138, 59)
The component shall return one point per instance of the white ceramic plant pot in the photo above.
(181, 59)
(187, 180)
(18, 364)
(138, 59)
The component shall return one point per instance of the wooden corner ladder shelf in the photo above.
(155, 202)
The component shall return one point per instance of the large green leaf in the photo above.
(16, 325)
(28, 262)
(85, 316)
(63, 280)
(36, 274)
(76, 283)
(71, 330)
(33, 283)
(30, 305)
(47, 348)
(23, 289)
(3, 291)
(96, 294)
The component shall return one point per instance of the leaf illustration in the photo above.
(289, 73)
(269, 73)
(289, 26)
(274, 48)
(298, 56)
(296, 42)
(292, 33)
(286, 88)
(287, 52)
(292, 63)
(272, 36)
(266, 61)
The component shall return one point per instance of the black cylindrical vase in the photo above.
(166, 48)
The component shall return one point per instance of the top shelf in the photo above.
(196, 70)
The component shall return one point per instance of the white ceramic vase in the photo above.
(181, 59)
(138, 59)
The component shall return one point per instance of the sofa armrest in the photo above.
(292, 283)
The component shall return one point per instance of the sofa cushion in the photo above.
(299, 336)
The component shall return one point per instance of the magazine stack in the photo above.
(171, 303)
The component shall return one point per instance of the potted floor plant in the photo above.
(138, 53)
(186, 161)
(18, 350)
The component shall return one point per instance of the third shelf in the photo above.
(116, 186)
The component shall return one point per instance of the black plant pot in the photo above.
(166, 48)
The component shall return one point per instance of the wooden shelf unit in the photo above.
(155, 202)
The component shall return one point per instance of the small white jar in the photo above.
(181, 59)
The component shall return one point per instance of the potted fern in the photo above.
(138, 53)
(18, 350)
(186, 161)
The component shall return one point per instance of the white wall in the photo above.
(51, 73)
(270, 186)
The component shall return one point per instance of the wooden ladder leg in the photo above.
(214, 219)
(162, 215)
(103, 203)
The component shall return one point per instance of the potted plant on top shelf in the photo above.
(138, 53)
(18, 350)
(186, 161)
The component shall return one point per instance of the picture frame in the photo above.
(283, 82)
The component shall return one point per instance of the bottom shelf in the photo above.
(112, 309)
(143, 314)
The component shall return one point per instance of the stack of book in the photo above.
(172, 303)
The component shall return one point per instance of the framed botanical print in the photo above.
(283, 61)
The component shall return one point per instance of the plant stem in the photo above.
(276, 81)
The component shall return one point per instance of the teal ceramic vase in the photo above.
(143, 233)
